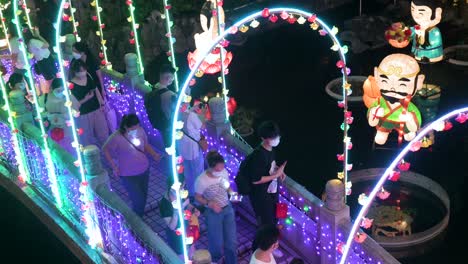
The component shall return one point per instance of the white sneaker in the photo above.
(277, 253)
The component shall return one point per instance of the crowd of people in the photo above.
(205, 182)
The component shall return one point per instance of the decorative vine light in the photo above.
(29, 77)
(4, 27)
(223, 72)
(101, 26)
(26, 10)
(92, 231)
(134, 40)
(292, 16)
(441, 124)
(171, 40)
(70, 17)
(23, 174)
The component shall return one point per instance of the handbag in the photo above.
(281, 210)
(108, 110)
(203, 143)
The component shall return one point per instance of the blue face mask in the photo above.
(59, 94)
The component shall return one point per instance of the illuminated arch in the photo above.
(389, 170)
(177, 125)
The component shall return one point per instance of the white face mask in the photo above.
(132, 133)
(218, 174)
(76, 55)
(58, 94)
(275, 142)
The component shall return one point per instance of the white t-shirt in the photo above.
(189, 148)
(36, 47)
(253, 260)
(20, 63)
(213, 189)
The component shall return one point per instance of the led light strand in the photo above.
(221, 57)
(75, 23)
(91, 229)
(95, 4)
(29, 78)
(4, 27)
(14, 132)
(26, 10)
(388, 172)
(135, 40)
(176, 125)
(172, 58)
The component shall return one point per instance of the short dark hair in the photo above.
(76, 67)
(213, 157)
(268, 129)
(432, 4)
(297, 261)
(14, 79)
(166, 68)
(57, 83)
(266, 236)
(128, 120)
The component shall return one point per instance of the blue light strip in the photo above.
(201, 58)
(29, 78)
(387, 173)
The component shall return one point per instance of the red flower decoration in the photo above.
(284, 15)
(131, 41)
(220, 3)
(71, 86)
(103, 25)
(292, 20)
(128, 2)
(416, 146)
(225, 43)
(94, 18)
(404, 166)
(341, 104)
(233, 30)
(395, 176)
(273, 18)
(340, 64)
(231, 105)
(65, 17)
(187, 214)
(312, 18)
(103, 62)
(57, 134)
(340, 157)
(265, 12)
(168, 7)
(80, 131)
(461, 118)
(340, 247)
(180, 169)
(417, 27)
(192, 82)
(101, 55)
(132, 33)
(178, 232)
(448, 126)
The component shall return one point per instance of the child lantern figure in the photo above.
(398, 79)
(427, 39)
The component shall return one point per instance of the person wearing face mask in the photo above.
(212, 190)
(264, 174)
(267, 241)
(56, 112)
(168, 210)
(16, 82)
(129, 146)
(189, 147)
(160, 104)
(91, 118)
(81, 51)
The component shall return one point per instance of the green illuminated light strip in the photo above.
(131, 9)
(25, 10)
(75, 26)
(29, 78)
(14, 135)
(103, 44)
(171, 43)
(92, 230)
(221, 56)
(5, 29)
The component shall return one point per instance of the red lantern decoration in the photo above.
(231, 105)
(57, 134)
(281, 210)
(395, 176)
(265, 12)
(273, 18)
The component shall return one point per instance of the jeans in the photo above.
(192, 169)
(222, 234)
(137, 188)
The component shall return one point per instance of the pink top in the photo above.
(131, 162)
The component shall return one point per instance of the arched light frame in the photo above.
(171, 42)
(29, 77)
(428, 128)
(214, 43)
(91, 229)
(4, 27)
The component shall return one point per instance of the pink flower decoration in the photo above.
(340, 64)
(360, 237)
(284, 15)
(448, 125)
(340, 157)
(383, 194)
(404, 166)
(416, 146)
(395, 176)
(461, 118)
(366, 223)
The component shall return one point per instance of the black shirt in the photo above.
(92, 66)
(260, 165)
(80, 92)
(47, 67)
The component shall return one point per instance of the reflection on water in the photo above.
(409, 208)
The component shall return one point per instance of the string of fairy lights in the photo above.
(134, 40)
(171, 40)
(100, 33)
(4, 26)
(70, 17)
(38, 110)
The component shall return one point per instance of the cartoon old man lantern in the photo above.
(397, 79)
(426, 37)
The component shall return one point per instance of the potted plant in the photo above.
(398, 35)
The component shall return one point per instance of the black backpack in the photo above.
(243, 180)
(154, 110)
